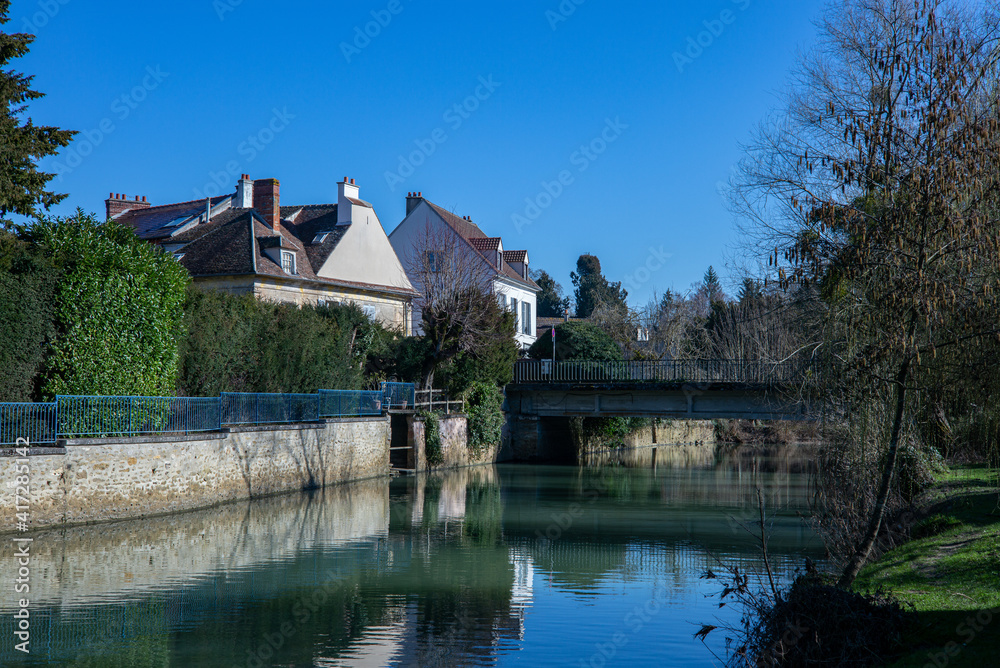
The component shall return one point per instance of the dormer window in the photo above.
(288, 262)
(178, 256)
(320, 238)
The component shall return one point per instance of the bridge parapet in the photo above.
(740, 372)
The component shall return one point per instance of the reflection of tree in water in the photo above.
(484, 513)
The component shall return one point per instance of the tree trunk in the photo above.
(860, 555)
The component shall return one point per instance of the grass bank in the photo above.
(950, 572)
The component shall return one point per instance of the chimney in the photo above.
(267, 202)
(412, 200)
(346, 191)
(244, 192)
(566, 315)
(118, 204)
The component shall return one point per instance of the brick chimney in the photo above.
(267, 202)
(244, 193)
(118, 204)
(412, 200)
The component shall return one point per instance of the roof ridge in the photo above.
(191, 201)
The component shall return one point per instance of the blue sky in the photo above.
(565, 128)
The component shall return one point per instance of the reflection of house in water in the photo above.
(522, 593)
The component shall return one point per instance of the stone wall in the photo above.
(454, 437)
(110, 479)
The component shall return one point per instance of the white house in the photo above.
(511, 281)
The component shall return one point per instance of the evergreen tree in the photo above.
(592, 288)
(713, 287)
(550, 301)
(22, 143)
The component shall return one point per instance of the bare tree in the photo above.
(878, 185)
(458, 310)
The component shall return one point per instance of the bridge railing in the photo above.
(659, 371)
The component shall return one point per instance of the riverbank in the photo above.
(950, 572)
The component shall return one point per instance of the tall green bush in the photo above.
(27, 319)
(484, 403)
(118, 309)
(242, 344)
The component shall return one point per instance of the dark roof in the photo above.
(158, 222)
(486, 243)
(470, 232)
(233, 243)
(515, 256)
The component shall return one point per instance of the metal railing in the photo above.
(350, 403)
(34, 422)
(437, 400)
(71, 416)
(92, 416)
(665, 371)
(249, 408)
(399, 395)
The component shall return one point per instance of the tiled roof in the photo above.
(486, 243)
(235, 241)
(515, 256)
(158, 222)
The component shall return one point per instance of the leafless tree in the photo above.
(878, 186)
(457, 308)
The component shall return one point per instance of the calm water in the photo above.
(505, 565)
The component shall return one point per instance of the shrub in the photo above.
(118, 309)
(28, 284)
(576, 341)
(243, 344)
(820, 625)
(432, 438)
(484, 403)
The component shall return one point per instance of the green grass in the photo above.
(950, 573)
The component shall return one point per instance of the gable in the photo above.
(363, 254)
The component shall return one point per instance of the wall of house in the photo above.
(424, 222)
(110, 479)
(391, 312)
(511, 289)
(364, 255)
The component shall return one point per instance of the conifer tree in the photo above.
(22, 143)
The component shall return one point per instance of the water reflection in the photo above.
(482, 566)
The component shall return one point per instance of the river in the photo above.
(598, 565)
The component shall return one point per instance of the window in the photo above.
(321, 302)
(321, 237)
(434, 261)
(178, 256)
(513, 307)
(503, 300)
(526, 317)
(369, 310)
(288, 262)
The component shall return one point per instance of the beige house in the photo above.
(247, 243)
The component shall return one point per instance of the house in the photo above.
(248, 243)
(507, 269)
